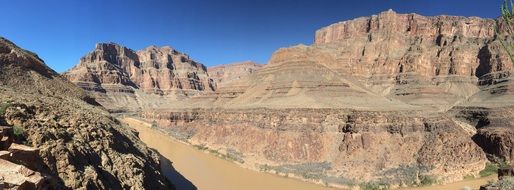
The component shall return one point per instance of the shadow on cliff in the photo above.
(177, 179)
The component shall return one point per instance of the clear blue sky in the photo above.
(212, 32)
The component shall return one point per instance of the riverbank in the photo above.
(205, 171)
(194, 169)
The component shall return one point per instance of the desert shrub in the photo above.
(406, 174)
(234, 155)
(490, 169)
(3, 107)
(19, 136)
(201, 147)
(425, 180)
(374, 186)
(507, 183)
(182, 135)
(507, 15)
(468, 177)
(154, 124)
(312, 170)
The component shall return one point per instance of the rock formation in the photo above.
(399, 99)
(77, 144)
(226, 73)
(118, 75)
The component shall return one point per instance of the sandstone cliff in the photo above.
(227, 73)
(391, 98)
(118, 76)
(79, 144)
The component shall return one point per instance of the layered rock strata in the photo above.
(118, 75)
(80, 146)
(414, 97)
(396, 148)
(227, 73)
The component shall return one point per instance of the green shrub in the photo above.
(3, 107)
(374, 186)
(490, 169)
(469, 177)
(426, 180)
(19, 136)
(18, 131)
(507, 14)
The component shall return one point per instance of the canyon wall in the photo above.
(336, 146)
(69, 140)
(118, 76)
(390, 98)
(227, 73)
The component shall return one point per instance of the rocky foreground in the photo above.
(386, 100)
(63, 138)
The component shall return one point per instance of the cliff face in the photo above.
(77, 145)
(227, 73)
(400, 95)
(389, 98)
(335, 146)
(115, 74)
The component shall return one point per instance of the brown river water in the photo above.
(192, 169)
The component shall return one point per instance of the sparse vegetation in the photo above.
(505, 183)
(374, 186)
(182, 135)
(410, 175)
(154, 124)
(490, 169)
(426, 180)
(235, 156)
(19, 136)
(507, 15)
(468, 177)
(201, 147)
(3, 107)
(314, 171)
(231, 155)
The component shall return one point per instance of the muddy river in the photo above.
(193, 169)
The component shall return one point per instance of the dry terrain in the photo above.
(391, 100)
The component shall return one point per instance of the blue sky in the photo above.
(212, 32)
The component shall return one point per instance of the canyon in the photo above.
(55, 136)
(391, 100)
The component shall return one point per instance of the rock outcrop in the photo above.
(77, 144)
(17, 164)
(227, 73)
(342, 146)
(392, 98)
(118, 75)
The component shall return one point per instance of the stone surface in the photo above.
(227, 73)
(358, 146)
(117, 75)
(19, 177)
(391, 98)
(79, 144)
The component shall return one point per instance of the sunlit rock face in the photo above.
(70, 141)
(118, 75)
(387, 98)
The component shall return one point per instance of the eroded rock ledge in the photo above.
(394, 147)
